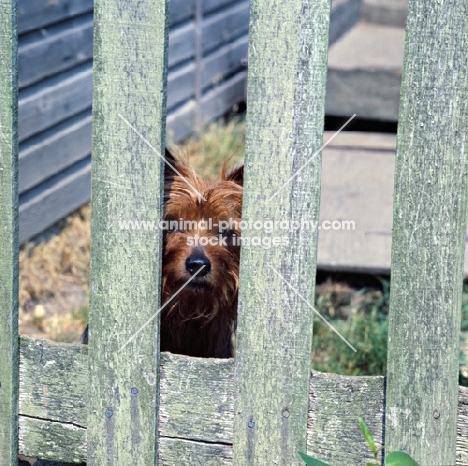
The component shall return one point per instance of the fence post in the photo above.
(428, 235)
(128, 116)
(8, 233)
(285, 113)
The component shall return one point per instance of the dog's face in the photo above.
(202, 239)
(201, 245)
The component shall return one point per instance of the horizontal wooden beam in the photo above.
(58, 48)
(35, 14)
(56, 198)
(196, 410)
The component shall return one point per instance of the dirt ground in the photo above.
(53, 280)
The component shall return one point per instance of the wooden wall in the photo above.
(206, 77)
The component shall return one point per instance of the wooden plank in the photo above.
(53, 398)
(344, 15)
(203, 421)
(50, 152)
(52, 440)
(287, 77)
(129, 80)
(224, 62)
(385, 12)
(54, 199)
(50, 102)
(198, 417)
(178, 451)
(334, 434)
(181, 122)
(224, 26)
(8, 234)
(428, 235)
(221, 99)
(54, 49)
(364, 73)
(57, 390)
(34, 14)
(182, 43)
(181, 85)
(462, 427)
(61, 442)
(180, 11)
(208, 6)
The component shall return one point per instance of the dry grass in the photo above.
(53, 281)
(54, 271)
(219, 143)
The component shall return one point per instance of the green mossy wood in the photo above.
(196, 409)
(129, 85)
(428, 234)
(285, 114)
(8, 234)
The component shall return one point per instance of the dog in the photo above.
(200, 269)
(201, 319)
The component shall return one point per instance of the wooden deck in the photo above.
(357, 184)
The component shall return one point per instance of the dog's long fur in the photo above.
(201, 319)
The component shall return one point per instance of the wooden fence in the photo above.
(206, 77)
(207, 70)
(137, 406)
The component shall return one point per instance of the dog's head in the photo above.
(201, 238)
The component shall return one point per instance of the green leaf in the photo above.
(368, 436)
(309, 461)
(399, 458)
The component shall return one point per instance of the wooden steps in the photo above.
(364, 72)
(357, 184)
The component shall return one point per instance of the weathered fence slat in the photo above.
(285, 112)
(197, 415)
(129, 97)
(428, 235)
(8, 233)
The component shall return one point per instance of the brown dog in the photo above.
(205, 244)
(200, 274)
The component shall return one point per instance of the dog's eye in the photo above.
(173, 227)
(226, 233)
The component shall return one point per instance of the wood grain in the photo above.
(34, 14)
(8, 233)
(54, 150)
(285, 112)
(130, 68)
(55, 49)
(54, 100)
(58, 196)
(197, 409)
(428, 235)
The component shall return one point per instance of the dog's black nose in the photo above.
(194, 263)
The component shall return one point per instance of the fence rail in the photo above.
(109, 405)
(198, 419)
